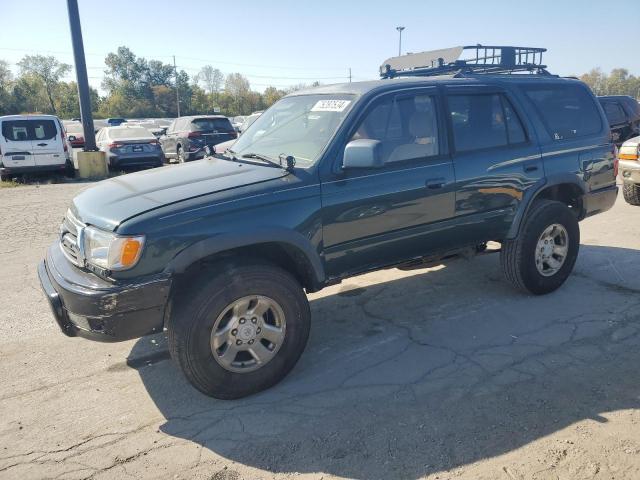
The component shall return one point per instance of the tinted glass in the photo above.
(406, 126)
(514, 126)
(208, 124)
(21, 130)
(567, 110)
(614, 113)
(124, 133)
(478, 121)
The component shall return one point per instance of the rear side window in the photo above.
(614, 113)
(25, 130)
(484, 121)
(567, 110)
(205, 124)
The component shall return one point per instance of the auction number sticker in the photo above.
(330, 105)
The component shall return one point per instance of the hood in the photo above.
(111, 202)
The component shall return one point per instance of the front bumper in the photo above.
(599, 201)
(85, 305)
(630, 171)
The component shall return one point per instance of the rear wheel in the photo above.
(542, 257)
(631, 193)
(241, 331)
(180, 155)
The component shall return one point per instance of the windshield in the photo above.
(207, 124)
(135, 132)
(300, 126)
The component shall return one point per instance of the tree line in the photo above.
(136, 88)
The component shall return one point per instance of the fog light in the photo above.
(79, 321)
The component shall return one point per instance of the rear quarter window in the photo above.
(568, 111)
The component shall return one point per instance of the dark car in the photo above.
(330, 183)
(114, 122)
(623, 114)
(187, 138)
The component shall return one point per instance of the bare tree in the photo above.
(211, 78)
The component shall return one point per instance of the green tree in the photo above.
(48, 69)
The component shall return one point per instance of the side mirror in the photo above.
(72, 138)
(363, 153)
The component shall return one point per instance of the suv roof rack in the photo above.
(477, 59)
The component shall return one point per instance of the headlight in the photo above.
(111, 252)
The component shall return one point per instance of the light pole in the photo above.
(400, 29)
(81, 75)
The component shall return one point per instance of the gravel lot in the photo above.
(436, 373)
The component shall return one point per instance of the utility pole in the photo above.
(349, 74)
(81, 77)
(175, 71)
(400, 29)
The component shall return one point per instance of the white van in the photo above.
(33, 143)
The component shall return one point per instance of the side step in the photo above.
(466, 253)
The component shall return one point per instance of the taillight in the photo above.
(193, 134)
(616, 161)
(115, 145)
(154, 142)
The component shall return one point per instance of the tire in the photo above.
(180, 155)
(519, 257)
(631, 193)
(199, 310)
(69, 170)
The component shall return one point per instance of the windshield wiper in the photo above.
(264, 158)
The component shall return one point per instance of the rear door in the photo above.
(47, 142)
(495, 158)
(15, 144)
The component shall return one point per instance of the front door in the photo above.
(379, 216)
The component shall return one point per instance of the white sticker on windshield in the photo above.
(330, 105)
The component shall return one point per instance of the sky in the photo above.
(286, 42)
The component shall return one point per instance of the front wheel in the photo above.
(542, 257)
(241, 331)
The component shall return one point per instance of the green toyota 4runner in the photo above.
(410, 170)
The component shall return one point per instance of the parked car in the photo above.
(127, 146)
(33, 143)
(330, 183)
(237, 122)
(248, 121)
(187, 137)
(623, 114)
(629, 155)
(75, 134)
(114, 122)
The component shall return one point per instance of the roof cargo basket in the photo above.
(469, 59)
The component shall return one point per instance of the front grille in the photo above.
(69, 233)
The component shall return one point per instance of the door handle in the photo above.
(42, 144)
(435, 183)
(532, 167)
